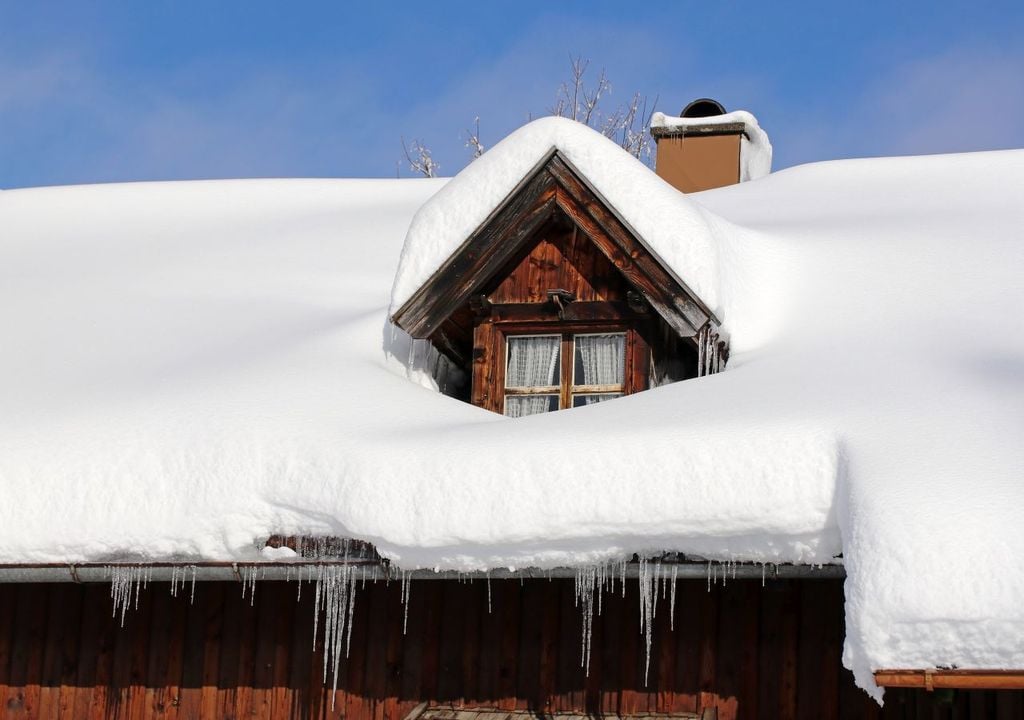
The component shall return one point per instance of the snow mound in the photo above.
(755, 148)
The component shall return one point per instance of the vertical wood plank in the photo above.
(527, 675)
(664, 662)
(790, 628)
(59, 607)
(95, 609)
(101, 702)
(263, 665)
(632, 660)
(301, 664)
(548, 667)
(120, 677)
(74, 601)
(8, 603)
(687, 674)
(190, 692)
(449, 681)
(708, 645)
(431, 593)
(248, 628)
(570, 677)
(727, 673)
(471, 649)
(352, 701)
(393, 654)
(159, 599)
(412, 646)
(567, 369)
(509, 609)
(770, 647)
(611, 620)
(227, 658)
(375, 657)
(138, 659)
(26, 661)
(749, 670)
(283, 602)
(212, 616)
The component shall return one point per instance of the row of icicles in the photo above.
(710, 352)
(336, 585)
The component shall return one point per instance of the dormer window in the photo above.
(553, 372)
(555, 303)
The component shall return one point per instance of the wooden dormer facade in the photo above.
(555, 302)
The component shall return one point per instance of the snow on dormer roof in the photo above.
(680, 233)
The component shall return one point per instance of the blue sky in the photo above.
(106, 91)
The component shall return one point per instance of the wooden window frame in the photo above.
(491, 348)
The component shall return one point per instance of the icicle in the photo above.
(648, 601)
(125, 586)
(192, 596)
(406, 589)
(489, 590)
(586, 583)
(700, 353)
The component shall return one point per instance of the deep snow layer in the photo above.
(190, 367)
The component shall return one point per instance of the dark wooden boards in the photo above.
(739, 649)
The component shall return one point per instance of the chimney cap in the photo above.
(703, 107)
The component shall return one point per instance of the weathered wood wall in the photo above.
(752, 652)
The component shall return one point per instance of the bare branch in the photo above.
(419, 158)
(473, 139)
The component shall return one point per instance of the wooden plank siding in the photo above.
(747, 651)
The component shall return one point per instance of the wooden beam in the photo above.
(573, 312)
(949, 679)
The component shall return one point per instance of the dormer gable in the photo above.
(555, 278)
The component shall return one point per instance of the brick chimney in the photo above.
(699, 150)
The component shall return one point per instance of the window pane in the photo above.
(600, 359)
(581, 400)
(522, 405)
(533, 361)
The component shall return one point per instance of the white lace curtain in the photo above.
(600, 360)
(532, 362)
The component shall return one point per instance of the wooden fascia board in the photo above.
(679, 306)
(952, 679)
(487, 249)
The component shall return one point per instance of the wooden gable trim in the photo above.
(667, 294)
(483, 253)
(553, 183)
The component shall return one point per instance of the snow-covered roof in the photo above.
(190, 367)
(755, 148)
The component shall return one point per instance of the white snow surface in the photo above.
(187, 368)
(755, 148)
